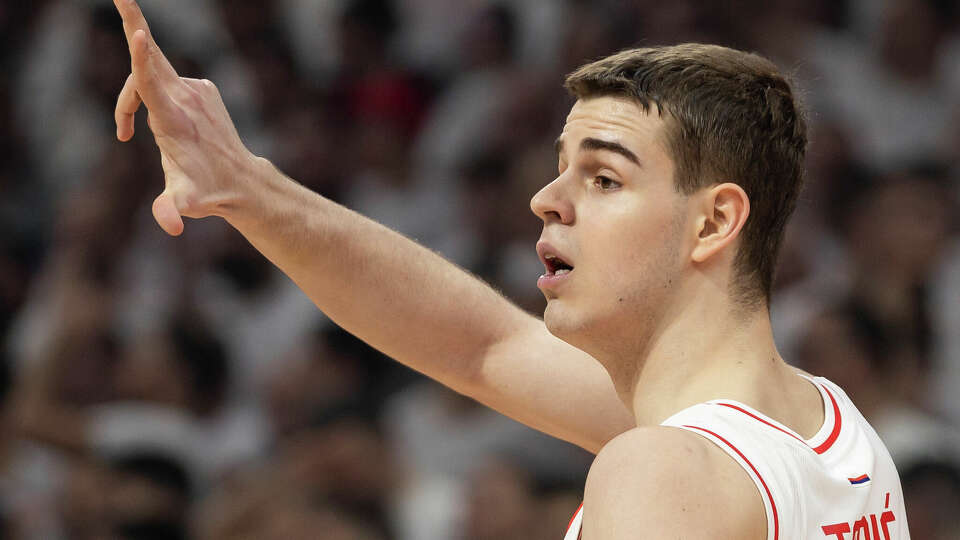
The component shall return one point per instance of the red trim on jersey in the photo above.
(836, 425)
(755, 417)
(773, 506)
(820, 449)
(573, 518)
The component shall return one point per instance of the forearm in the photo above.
(397, 296)
(394, 294)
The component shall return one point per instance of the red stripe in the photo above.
(820, 449)
(574, 517)
(860, 478)
(836, 426)
(773, 506)
(755, 417)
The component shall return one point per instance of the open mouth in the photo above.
(555, 265)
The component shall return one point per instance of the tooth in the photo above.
(561, 271)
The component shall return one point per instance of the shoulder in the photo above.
(668, 482)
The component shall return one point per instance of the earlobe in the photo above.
(723, 213)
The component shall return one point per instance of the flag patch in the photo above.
(859, 480)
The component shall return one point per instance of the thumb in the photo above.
(166, 213)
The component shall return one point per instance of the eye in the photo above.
(605, 183)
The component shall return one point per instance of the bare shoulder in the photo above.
(666, 482)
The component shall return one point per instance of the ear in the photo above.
(723, 211)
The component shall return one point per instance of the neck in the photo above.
(698, 355)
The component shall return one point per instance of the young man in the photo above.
(657, 286)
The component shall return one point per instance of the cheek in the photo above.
(635, 249)
(644, 292)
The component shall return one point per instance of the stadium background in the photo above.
(182, 388)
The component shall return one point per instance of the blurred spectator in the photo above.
(895, 90)
(135, 496)
(337, 472)
(334, 373)
(148, 497)
(441, 439)
(469, 110)
(894, 255)
(933, 492)
(946, 310)
(258, 312)
(500, 505)
(163, 392)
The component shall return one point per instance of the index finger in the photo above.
(133, 20)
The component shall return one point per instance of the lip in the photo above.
(550, 281)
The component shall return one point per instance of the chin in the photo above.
(563, 322)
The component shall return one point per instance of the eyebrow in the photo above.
(592, 144)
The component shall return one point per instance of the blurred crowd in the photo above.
(183, 388)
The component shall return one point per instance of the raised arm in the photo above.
(398, 296)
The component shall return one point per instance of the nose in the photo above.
(552, 203)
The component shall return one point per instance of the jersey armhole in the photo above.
(769, 506)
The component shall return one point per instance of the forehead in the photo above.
(614, 118)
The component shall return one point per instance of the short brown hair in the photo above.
(730, 116)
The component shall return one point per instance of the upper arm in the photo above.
(660, 483)
(549, 385)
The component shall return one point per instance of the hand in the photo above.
(205, 164)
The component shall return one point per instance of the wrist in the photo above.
(249, 186)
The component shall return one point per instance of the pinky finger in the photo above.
(127, 105)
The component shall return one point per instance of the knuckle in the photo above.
(209, 87)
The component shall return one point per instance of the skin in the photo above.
(618, 222)
(644, 325)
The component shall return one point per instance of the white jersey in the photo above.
(839, 485)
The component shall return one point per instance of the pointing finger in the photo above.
(154, 77)
(154, 92)
(127, 104)
(134, 21)
(132, 16)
